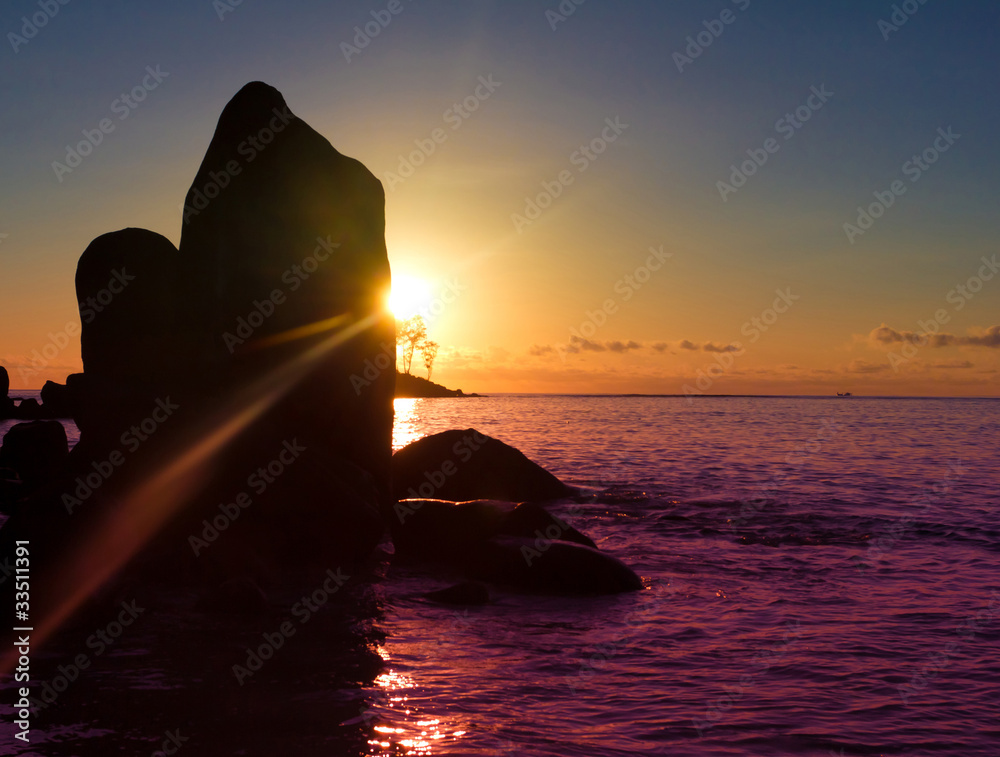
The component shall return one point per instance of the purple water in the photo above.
(823, 578)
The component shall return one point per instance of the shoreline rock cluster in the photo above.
(248, 333)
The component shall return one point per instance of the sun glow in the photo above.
(408, 296)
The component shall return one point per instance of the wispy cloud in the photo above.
(886, 335)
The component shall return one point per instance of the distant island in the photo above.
(409, 386)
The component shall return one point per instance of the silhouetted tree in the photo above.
(410, 334)
(429, 351)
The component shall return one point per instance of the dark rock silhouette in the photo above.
(129, 305)
(425, 527)
(408, 385)
(466, 465)
(28, 409)
(6, 403)
(283, 248)
(282, 263)
(554, 567)
(58, 400)
(36, 451)
(521, 546)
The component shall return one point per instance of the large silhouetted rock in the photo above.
(465, 465)
(284, 261)
(129, 305)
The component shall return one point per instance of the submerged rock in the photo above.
(515, 545)
(467, 465)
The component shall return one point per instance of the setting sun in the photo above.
(408, 295)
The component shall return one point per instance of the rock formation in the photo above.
(129, 305)
(283, 251)
(524, 547)
(248, 344)
(466, 465)
(36, 451)
(6, 403)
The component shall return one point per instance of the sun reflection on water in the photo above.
(406, 427)
(411, 733)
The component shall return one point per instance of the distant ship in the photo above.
(845, 394)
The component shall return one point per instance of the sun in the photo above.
(408, 296)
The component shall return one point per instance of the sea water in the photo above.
(822, 577)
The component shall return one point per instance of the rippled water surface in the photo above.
(823, 577)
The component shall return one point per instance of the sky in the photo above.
(705, 197)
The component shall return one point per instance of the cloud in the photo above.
(713, 347)
(578, 344)
(954, 364)
(886, 335)
(863, 366)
